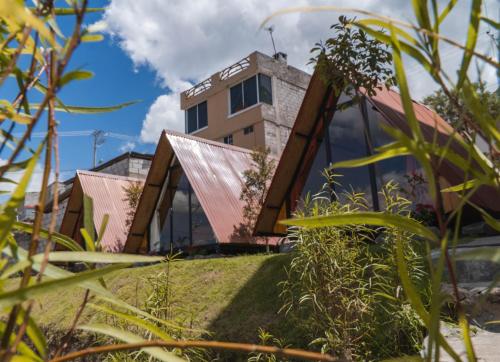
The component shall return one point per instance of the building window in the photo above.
(248, 130)
(228, 140)
(196, 117)
(251, 91)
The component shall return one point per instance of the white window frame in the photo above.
(197, 119)
(257, 81)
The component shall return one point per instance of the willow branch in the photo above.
(226, 346)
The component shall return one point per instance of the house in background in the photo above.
(191, 199)
(251, 103)
(129, 164)
(325, 133)
(108, 197)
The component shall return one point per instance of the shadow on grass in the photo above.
(256, 306)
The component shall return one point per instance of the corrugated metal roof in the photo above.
(108, 196)
(215, 172)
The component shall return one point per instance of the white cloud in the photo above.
(127, 147)
(35, 183)
(164, 113)
(184, 41)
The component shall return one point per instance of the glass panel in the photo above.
(202, 115)
(165, 235)
(315, 179)
(347, 141)
(236, 98)
(404, 170)
(191, 120)
(180, 211)
(265, 89)
(250, 92)
(202, 231)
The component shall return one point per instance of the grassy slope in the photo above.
(230, 297)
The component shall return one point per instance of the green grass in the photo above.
(229, 297)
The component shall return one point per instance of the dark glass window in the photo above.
(192, 119)
(196, 117)
(202, 115)
(250, 92)
(347, 142)
(228, 139)
(236, 98)
(265, 89)
(244, 95)
(186, 222)
(315, 179)
(166, 234)
(248, 130)
(201, 229)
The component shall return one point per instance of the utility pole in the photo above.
(98, 140)
(270, 30)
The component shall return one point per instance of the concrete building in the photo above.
(251, 103)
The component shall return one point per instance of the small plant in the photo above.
(345, 280)
(266, 339)
(254, 190)
(351, 60)
(133, 193)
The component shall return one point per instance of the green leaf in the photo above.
(463, 186)
(89, 243)
(134, 320)
(88, 38)
(71, 11)
(87, 110)
(491, 22)
(364, 218)
(20, 295)
(396, 151)
(34, 333)
(128, 337)
(447, 10)
(470, 45)
(489, 253)
(97, 257)
(75, 75)
(9, 215)
(15, 268)
(88, 219)
(102, 230)
(414, 298)
(60, 239)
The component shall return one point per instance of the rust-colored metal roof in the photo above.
(109, 197)
(316, 110)
(215, 172)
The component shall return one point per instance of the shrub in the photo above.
(346, 280)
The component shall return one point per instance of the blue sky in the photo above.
(154, 46)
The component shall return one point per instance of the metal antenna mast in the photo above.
(98, 140)
(270, 30)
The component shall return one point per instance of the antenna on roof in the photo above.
(270, 29)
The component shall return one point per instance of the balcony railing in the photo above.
(199, 88)
(234, 69)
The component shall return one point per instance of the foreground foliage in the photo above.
(344, 281)
(422, 42)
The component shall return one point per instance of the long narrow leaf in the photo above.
(9, 214)
(128, 337)
(20, 295)
(97, 257)
(364, 218)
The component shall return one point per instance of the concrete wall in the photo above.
(272, 123)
